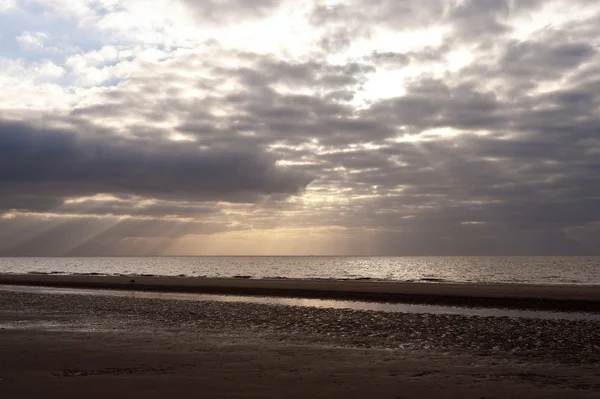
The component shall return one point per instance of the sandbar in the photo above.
(557, 297)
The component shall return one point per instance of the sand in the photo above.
(203, 365)
(71, 346)
(559, 297)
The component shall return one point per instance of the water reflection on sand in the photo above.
(319, 303)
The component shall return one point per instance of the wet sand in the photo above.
(148, 365)
(71, 346)
(559, 297)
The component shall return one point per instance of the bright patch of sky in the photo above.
(73, 45)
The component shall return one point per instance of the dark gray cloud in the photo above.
(137, 208)
(54, 163)
(225, 11)
(474, 18)
(544, 59)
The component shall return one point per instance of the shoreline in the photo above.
(520, 296)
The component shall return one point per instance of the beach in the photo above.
(70, 345)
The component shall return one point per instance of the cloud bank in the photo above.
(352, 127)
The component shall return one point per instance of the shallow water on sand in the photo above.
(318, 303)
(527, 270)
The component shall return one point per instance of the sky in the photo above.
(318, 127)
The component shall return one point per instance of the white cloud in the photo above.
(6, 5)
(32, 85)
(112, 62)
(48, 69)
(32, 39)
(30, 72)
(101, 57)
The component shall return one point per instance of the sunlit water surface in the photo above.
(530, 270)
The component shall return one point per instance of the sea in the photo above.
(567, 270)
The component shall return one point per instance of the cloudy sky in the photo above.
(391, 127)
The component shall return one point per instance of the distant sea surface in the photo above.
(525, 270)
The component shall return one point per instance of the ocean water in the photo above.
(529, 270)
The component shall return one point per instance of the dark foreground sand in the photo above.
(73, 346)
(563, 297)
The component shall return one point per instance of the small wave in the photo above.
(316, 278)
(432, 279)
